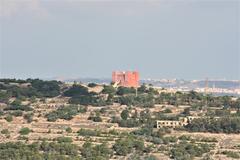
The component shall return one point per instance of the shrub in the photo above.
(125, 146)
(103, 110)
(231, 154)
(69, 130)
(130, 123)
(169, 139)
(46, 88)
(16, 102)
(38, 150)
(92, 85)
(25, 131)
(88, 132)
(208, 139)
(223, 124)
(185, 138)
(1, 113)
(22, 138)
(109, 90)
(113, 132)
(9, 118)
(17, 113)
(89, 100)
(5, 131)
(20, 107)
(167, 110)
(28, 117)
(76, 90)
(95, 117)
(124, 114)
(125, 90)
(101, 151)
(65, 112)
(64, 139)
(187, 151)
(156, 140)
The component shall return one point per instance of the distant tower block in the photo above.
(126, 79)
(206, 86)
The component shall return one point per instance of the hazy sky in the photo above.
(190, 39)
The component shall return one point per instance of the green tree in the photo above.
(87, 150)
(125, 90)
(142, 88)
(124, 114)
(108, 90)
(76, 90)
(92, 85)
(123, 147)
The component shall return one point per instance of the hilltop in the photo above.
(57, 120)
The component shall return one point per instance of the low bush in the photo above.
(25, 131)
(5, 131)
(9, 118)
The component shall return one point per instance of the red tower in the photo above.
(126, 79)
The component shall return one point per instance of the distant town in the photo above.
(211, 86)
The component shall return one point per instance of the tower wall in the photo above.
(126, 79)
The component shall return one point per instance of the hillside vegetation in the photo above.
(53, 120)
